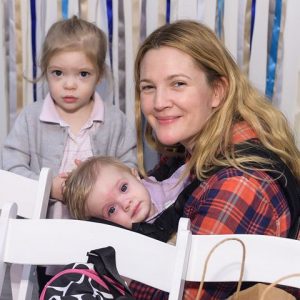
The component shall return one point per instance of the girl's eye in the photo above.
(124, 187)
(111, 210)
(84, 74)
(57, 73)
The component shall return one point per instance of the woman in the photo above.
(192, 94)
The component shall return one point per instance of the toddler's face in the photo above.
(120, 197)
(72, 80)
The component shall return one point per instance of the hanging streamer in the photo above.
(168, 10)
(33, 45)
(219, 28)
(65, 8)
(272, 60)
(83, 9)
(109, 11)
(19, 62)
(253, 8)
(246, 48)
(279, 66)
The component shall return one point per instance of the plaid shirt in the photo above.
(230, 201)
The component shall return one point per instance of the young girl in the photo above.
(72, 122)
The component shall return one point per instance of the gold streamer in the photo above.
(83, 9)
(136, 22)
(246, 48)
(59, 10)
(19, 61)
(161, 13)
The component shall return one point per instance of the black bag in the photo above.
(96, 279)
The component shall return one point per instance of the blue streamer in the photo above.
(168, 9)
(64, 8)
(109, 10)
(272, 59)
(33, 45)
(253, 8)
(220, 17)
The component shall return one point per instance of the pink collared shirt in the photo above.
(78, 146)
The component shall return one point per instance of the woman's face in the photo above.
(175, 96)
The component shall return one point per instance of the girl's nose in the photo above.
(70, 82)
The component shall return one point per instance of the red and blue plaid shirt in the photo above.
(230, 201)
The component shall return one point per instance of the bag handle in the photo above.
(104, 260)
(206, 263)
(263, 295)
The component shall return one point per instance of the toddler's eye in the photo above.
(124, 187)
(84, 74)
(111, 210)
(57, 73)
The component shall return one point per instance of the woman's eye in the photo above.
(111, 211)
(57, 73)
(145, 88)
(179, 84)
(84, 74)
(124, 187)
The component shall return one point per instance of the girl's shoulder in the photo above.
(34, 107)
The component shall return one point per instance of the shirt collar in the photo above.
(242, 132)
(49, 112)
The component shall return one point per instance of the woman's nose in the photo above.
(161, 99)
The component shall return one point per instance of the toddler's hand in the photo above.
(57, 186)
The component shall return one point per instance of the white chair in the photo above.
(161, 265)
(268, 258)
(31, 197)
(60, 242)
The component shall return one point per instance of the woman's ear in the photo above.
(220, 88)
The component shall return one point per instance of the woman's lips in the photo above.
(166, 120)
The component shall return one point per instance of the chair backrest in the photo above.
(267, 259)
(31, 196)
(60, 242)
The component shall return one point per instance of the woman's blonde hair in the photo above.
(242, 102)
(81, 182)
(75, 34)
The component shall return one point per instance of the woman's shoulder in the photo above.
(234, 183)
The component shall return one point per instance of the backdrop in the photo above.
(260, 34)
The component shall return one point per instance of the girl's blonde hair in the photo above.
(75, 34)
(242, 102)
(81, 181)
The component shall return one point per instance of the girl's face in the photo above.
(120, 197)
(175, 96)
(72, 80)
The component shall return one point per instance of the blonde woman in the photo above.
(238, 147)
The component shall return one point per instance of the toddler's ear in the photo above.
(135, 173)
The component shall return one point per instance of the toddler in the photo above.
(72, 122)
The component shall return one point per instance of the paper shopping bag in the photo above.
(198, 296)
(256, 292)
